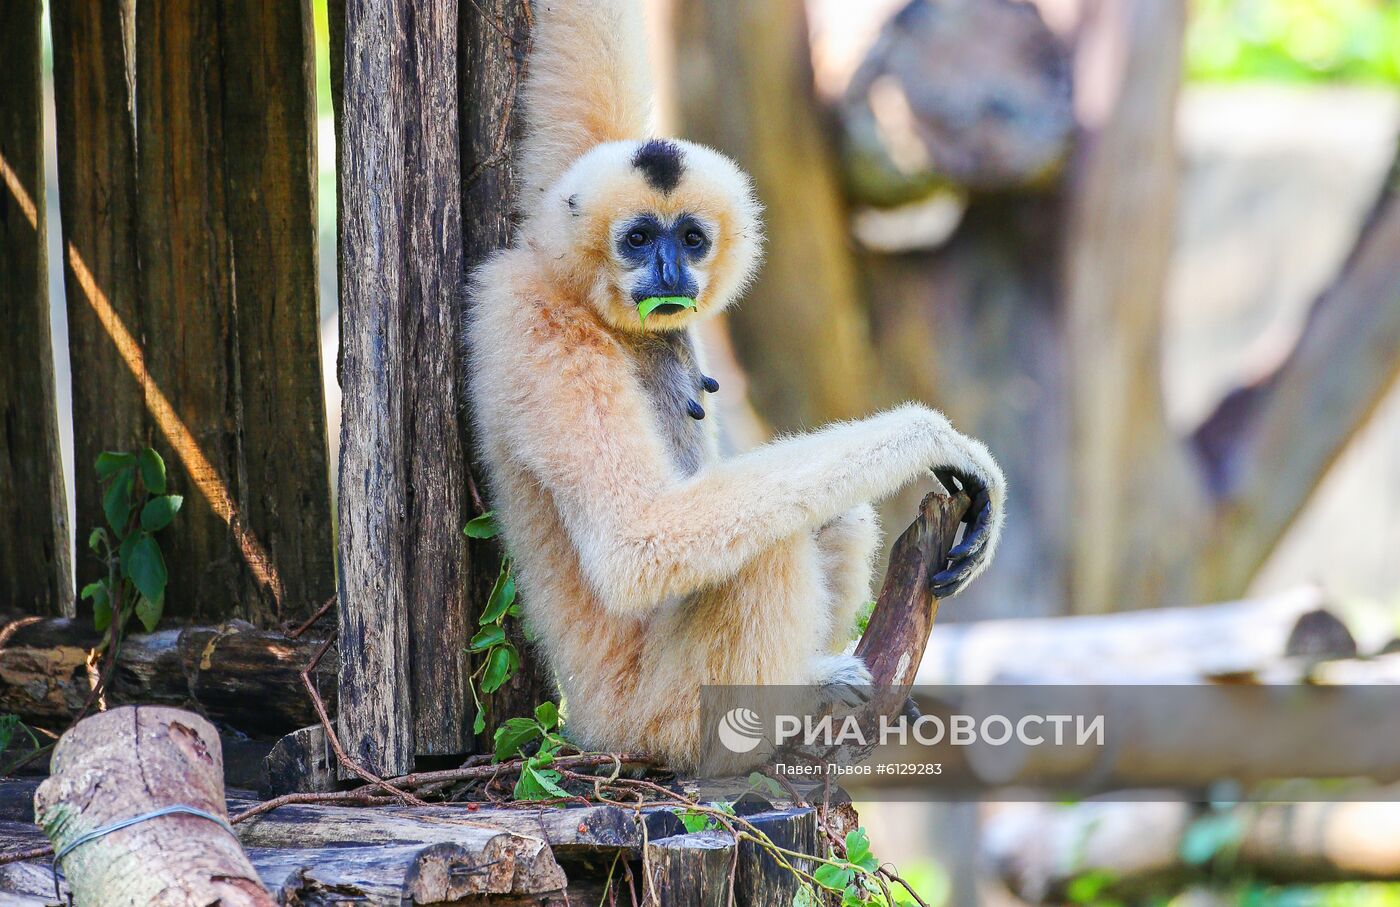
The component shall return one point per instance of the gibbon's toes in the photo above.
(710, 385)
(845, 680)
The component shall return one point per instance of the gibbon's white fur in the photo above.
(649, 566)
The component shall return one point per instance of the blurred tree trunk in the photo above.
(746, 88)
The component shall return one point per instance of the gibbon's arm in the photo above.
(588, 83)
(645, 534)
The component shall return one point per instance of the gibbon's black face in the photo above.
(660, 256)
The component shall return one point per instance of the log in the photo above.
(1229, 640)
(760, 880)
(236, 674)
(128, 761)
(521, 863)
(1037, 849)
(691, 869)
(972, 94)
(35, 567)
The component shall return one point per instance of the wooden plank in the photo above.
(269, 129)
(35, 565)
(97, 197)
(403, 463)
(226, 236)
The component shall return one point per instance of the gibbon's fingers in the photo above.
(974, 536)
(947, 477)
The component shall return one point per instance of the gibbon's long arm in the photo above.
(646, 534)
(588, 83)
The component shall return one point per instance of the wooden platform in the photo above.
(457, 854)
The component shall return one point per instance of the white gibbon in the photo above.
(647, 564)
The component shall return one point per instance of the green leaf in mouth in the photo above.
(652, 303)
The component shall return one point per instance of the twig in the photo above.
(349, 764)
(33, 853)
(320, 613)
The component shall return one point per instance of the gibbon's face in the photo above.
(659, 233)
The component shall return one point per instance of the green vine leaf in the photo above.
(833, 876)
(482, 527)
(502, 597)
(159, 511)
(547, 714)
(501, 662)
(111, 462)
(652, 303)
(147, 568)
(513, 735)
(152, 471)
(490, 636)
(148, 612)
(116, 502)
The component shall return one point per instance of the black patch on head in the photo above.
(662, 164)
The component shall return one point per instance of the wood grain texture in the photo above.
(35, 564)
(226, 241)
(491, 60)
(243, 677)
(403, 477)
(269, 110)
(692, 869)
(128, 761)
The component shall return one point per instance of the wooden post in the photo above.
(403, 478)
(129, 761)
(490, 67)
(691, 869)
(34, 549)
(228, 294)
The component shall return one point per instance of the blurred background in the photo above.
(1148, 251)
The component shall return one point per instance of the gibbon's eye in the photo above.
(694, 239)
(637, 238)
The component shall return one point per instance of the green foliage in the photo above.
(500, 659)
(136, 507)
(853, 878)
(652, 303)
(1211, 836)
(9, 724)
(537, 780)
(1294, 40)
(1089, 888)
(862, 620)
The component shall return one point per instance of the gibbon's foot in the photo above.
(844, 679)
(965, 558)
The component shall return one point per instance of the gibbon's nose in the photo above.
(669, 270)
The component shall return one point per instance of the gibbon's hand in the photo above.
(965, 558)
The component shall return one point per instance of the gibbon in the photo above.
(647, 564)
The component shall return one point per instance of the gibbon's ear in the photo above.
(588, 82)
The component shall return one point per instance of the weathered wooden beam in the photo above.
(235, 673)
(760, 880)
(403, 477)
(94, 59)
(35, 563)
(148, 758)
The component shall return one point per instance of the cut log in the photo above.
(760, 880)
(520, 863)
(691, 870)
(1039, 848)
(234, 673)
(1159, 646)
(127, 762)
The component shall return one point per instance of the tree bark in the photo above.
(35, 565)
(691, 869)
(403, 469)
(126, 762)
